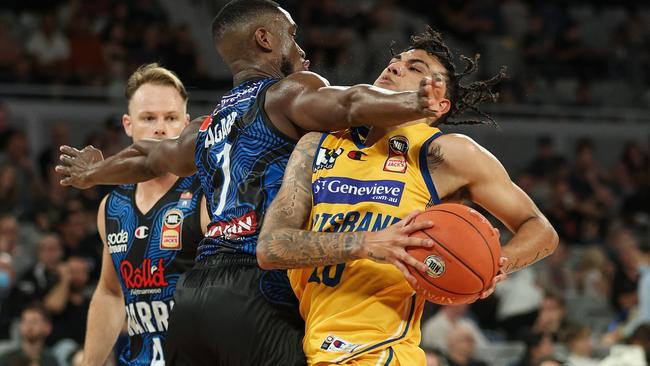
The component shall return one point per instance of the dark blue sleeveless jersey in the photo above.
(149, 252)
(241, 158)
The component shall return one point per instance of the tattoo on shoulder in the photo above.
(434, 156)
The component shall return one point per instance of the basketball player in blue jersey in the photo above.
(227, 310)
(150, 233)
(324, 223)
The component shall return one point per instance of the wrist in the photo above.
(357, 250)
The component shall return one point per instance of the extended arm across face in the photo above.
(308, 101)
(143, 160)
(490, 186)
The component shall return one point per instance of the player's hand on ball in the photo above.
(74, 165)
(501, 276)
(389, 245)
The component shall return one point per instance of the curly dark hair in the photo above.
(463, 97)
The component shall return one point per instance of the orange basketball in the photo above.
(464, 258)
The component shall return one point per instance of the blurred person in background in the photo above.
(50, 48)
(630, 168)
(579, 343)
(538, 346)
(434, 357)
(68, 301)
(27, 180)
(35, 326)
(77, 241)
(35, 285)
(461, 346)
(551, 316)
(635, 351)
(444, 321)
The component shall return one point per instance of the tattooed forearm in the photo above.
(283, 242)
(294, 248)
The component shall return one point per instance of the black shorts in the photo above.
(229, 312)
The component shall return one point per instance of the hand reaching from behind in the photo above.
(74, 165)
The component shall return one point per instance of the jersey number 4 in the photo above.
(326, 277)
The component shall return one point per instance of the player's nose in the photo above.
(395, 68)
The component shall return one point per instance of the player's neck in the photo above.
(376, 133)
(245, 71)
(149, 192)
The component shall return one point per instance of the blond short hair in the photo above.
(153, 74)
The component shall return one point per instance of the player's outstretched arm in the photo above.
(309, 102)
(490, 186)
(106, 313)
(283, 243)
(142, 161)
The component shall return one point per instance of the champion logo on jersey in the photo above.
(357, 155)
(326, 158)
(142, 232)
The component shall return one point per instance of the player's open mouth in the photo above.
(306, 64)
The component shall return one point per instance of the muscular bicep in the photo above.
(175, 155)
(491, 187)
(292, 205)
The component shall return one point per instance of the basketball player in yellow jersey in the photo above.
(351, 189)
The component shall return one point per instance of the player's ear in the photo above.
(187, 119)
(443, 107)
(264, 38)
(128, 126)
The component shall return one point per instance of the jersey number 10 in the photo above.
(326, 277)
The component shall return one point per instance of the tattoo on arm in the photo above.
(284, 240)
(516, 265)
(434, 157)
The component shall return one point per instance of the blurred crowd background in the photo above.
(574, 135)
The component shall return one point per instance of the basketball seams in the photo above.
(478, 231)
(444, 289)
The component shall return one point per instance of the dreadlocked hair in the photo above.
(463, 97)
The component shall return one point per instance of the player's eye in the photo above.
(412, 68)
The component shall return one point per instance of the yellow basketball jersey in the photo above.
(358, 307)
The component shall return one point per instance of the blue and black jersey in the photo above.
(241, 158)
(150, 251)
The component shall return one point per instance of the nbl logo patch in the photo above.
(398, 147)
(170, 237)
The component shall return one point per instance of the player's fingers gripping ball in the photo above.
(464, 258)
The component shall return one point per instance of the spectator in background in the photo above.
(519, 301)
(76, 241)
(35, 326)
(69, 300)
(461, 346)
(50, 48)
(59, 135)
(635, 352)
(434, 357)
(580, 346)
(35, 285)
(19, 253)
(538, 346)
(443, 322)
(546, 161)
(11, 52)
(629, 169)
(29, 185)
(86, 59)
